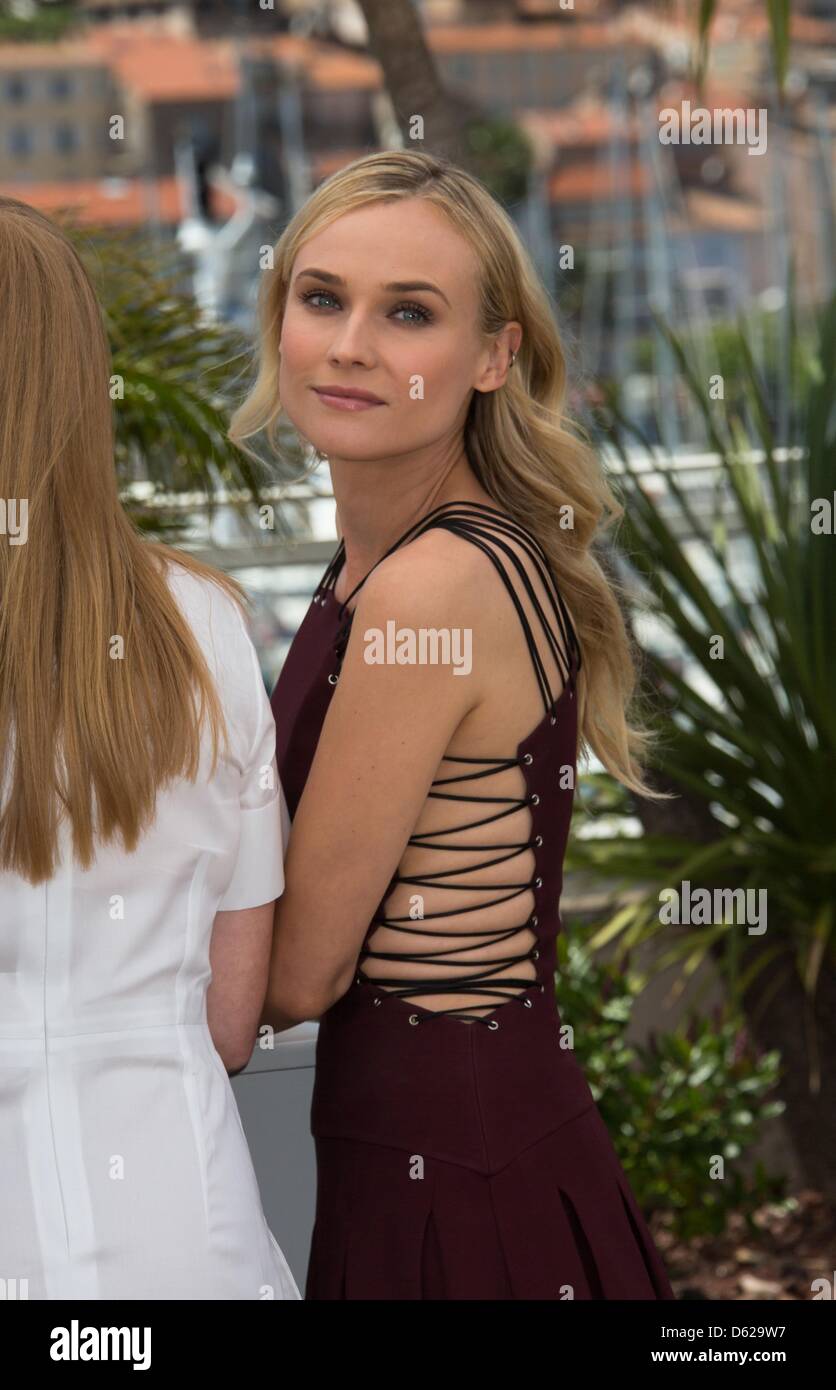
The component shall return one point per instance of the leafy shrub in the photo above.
(672, 1107)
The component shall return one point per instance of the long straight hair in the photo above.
(82, 733)
(522, 446)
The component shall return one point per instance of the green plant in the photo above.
(47, 24)
(176, 378)
(746, 719)
(500, 154)
(677, 1106)
(778, 14)
(756, 744)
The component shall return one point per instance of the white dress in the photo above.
(124, 1169)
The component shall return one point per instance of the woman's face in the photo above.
(416, 347)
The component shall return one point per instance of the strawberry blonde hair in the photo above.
(83, 735)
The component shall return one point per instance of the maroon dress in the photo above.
(456, 1159)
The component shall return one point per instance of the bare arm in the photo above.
(239, 948)
(381, 744)
(239, 954)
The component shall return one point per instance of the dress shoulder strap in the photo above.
(335, 564)
(492, 531)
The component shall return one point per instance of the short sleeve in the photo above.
(258, 876)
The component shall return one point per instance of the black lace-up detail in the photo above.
(485, 527)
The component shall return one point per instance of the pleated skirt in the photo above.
(560, 1222)
(398, 1217)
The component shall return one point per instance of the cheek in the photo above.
(442, 373)
(297, 342)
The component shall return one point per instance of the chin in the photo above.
(351, 445)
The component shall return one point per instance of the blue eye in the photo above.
(408, 306)
(419, 309)
(310, 294)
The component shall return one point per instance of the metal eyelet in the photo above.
(332, 679)
(538, 840)
(542, 989)
(528, 1004)
(553, 719)
(538, 882)
(534, 799)
(413, 1018)
(535, 954)
(527, 759)
(493, 1025)
(534, 921)
(377, 1002)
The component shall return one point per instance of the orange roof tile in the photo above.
(715, 96)
(589, 122)
(582, 183)
(459, 38)
(804, 28)
(344, 72)
(116, 202)
(66, 53)
(707, 209)
(330, 161)
(165, 67)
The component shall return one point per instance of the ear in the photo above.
(505, 345)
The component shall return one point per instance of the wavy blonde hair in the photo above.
(78, 729)
(519, 440)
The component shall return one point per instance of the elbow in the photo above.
(237, 1060)
(284, 1008)
(333, 989)
(293, 1005)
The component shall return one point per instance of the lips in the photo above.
(349, 394)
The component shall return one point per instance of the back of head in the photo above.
(102, 685)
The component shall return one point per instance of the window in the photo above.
(65, 138)
(17, 89)
(20, 141)
(60, 86)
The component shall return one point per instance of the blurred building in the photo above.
(190, 16)
(219, 103)
(56, 100)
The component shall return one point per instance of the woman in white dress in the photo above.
(141, 838)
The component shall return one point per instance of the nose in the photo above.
(351, 343)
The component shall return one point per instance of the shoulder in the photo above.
(223, 635)
(213, 612)
(449, 579)
(438, 575)
(412, 630)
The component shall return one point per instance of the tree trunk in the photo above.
(396, 38)
(806, 1039)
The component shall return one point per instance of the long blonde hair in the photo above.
(520, 442)
(79, 729)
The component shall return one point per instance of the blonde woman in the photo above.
(460, 1152)
(137, 873)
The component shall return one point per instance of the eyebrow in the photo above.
(397, 286)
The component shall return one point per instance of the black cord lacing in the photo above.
(475, 529)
